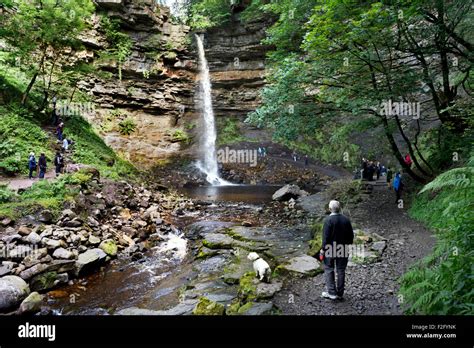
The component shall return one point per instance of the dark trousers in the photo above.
(31, 172)
(399, 195)
(339, 265)
(42, 172)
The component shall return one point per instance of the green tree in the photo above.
(39, 31)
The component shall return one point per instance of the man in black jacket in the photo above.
(337, 238)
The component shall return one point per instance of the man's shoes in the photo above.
(329, 296)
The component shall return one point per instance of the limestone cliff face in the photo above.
(236, 59)
(157, 86)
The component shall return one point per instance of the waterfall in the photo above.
(208, 162)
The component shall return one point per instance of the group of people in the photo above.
(305, 157)
(371, 169)
(41, 165)
(262, 151)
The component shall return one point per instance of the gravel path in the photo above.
(23, 183)
(370, 289)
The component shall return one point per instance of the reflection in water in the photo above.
(235, 193)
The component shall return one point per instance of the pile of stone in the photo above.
(50, 252)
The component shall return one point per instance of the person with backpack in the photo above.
(398, 186)
(58, 163)
(42, 166)
(31, 164)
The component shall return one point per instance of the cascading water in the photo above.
(208, 162)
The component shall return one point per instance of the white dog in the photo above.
(261, 267)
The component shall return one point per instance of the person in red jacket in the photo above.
(408, 160)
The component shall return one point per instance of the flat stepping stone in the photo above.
(303, 265)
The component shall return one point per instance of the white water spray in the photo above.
(208, 162)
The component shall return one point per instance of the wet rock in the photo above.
(62, 253)
(208, 307)
(31, 304)
(13, 290)
(109, 247)
(303, 265)
(217, 241)
(89, 260)
(24, 230)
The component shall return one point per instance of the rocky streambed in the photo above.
(130, 249)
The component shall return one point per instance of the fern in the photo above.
(443, 282)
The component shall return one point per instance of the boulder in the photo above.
(31, 304)
(379, 246)
(24, 230)
(303, 265)
(265, 290)
(6, 268)
(46, 217)
(109, 247)
(256, 308)
(35, 257)
(208, 307)
(93, 240)
(50, 243)
(89, 260)
(13, 290)
(33, 238)
(62, 253)
(288, 192)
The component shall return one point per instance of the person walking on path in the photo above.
(338, 235)
(306, 160)
(31, 164)
(65, 143)
(378, 169)
(58, 163)
(295, 157)
(42, 165)
(398, 186)
(59, 130)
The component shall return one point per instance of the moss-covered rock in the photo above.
(248, 287)
(204, 253)
(217, 241)
(233, 308)
(208, 307)
(43, 281)
(109, 247)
